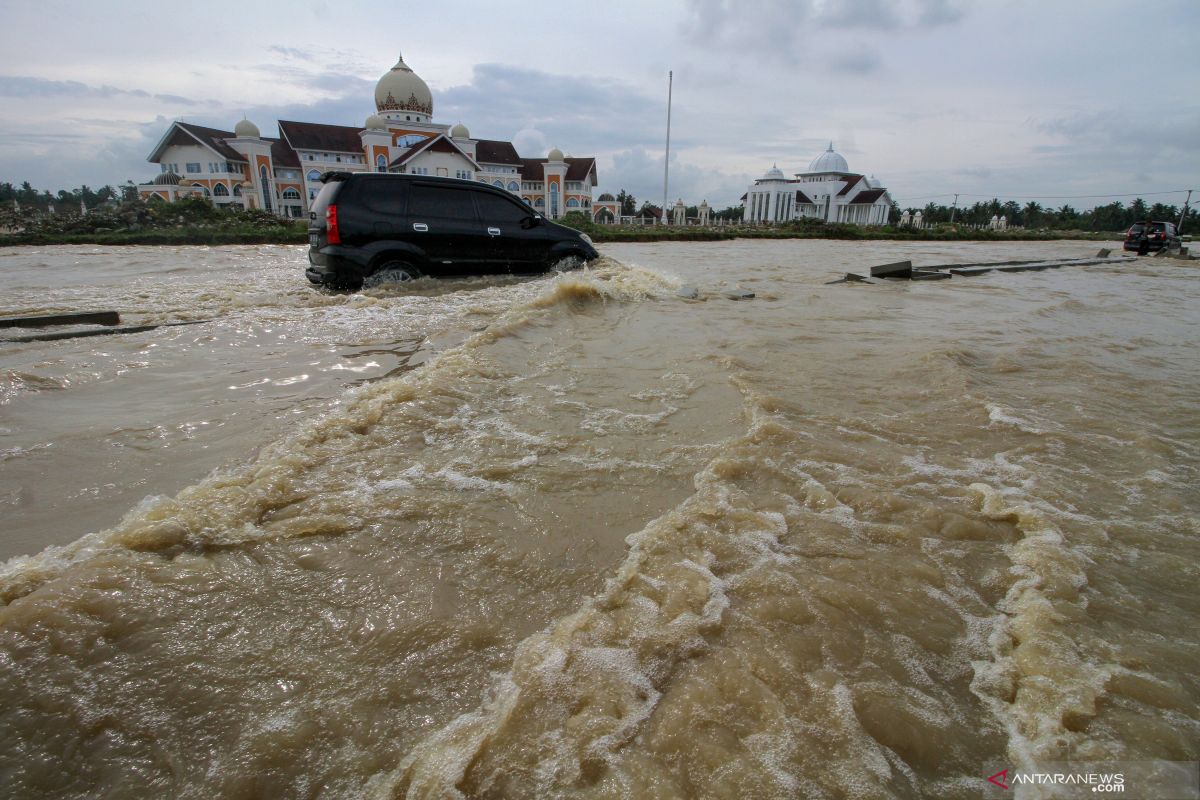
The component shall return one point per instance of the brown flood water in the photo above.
(578, 537)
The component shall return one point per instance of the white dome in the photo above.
(829, 161)
(773, 174)
(554, 155)
(246, 130)
(375, 123)
(460, 131)
(401, 89)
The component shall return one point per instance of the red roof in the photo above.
(578, 169)
(282, 155)
(490, 151)
(869, 196)
(315, 136)
(210, 137)
(434, 144)
(851, 182)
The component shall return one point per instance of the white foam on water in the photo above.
(1048, 572)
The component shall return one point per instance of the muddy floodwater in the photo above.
(577, 536)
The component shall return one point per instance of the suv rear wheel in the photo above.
(391, 272)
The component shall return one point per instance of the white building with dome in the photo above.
(282, 174)
(828, 191)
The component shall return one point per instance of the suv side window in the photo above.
(500, 210)
(440, 202)
(382, 197)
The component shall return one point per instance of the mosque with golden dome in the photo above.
(282, 174)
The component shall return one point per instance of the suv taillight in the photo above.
(332, 234)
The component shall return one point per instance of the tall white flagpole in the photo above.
(667, 160)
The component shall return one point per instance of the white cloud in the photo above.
(934, 96)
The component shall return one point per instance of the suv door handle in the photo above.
(494, 231)
(420, 226)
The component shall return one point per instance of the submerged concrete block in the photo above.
(688, 293)
(738, 294)
(1103, 253)
(901, 269)
(78, 333)
(850, 277)
(69, 318)
(930, 275)
(967, 272)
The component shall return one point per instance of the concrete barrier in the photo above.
(900, 269)
(69, 318)
(80, 334)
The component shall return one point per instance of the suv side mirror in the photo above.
(531, 222)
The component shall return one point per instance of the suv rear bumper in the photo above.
(1152, 244)
(327, 267)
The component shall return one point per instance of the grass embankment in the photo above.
(183, 236)
(197, 222)
(192, 221)
(813, 229)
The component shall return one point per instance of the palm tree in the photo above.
(1032, 213)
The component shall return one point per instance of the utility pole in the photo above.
(953, 208)
(667, 159)
(1183, 216)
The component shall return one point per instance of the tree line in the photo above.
(630, 208)
(41, 200)
(1111, 217)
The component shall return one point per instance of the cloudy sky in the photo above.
(1066, 102)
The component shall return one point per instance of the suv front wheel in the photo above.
(391, 272)
(566, 263)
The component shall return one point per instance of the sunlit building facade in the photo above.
(282, 174)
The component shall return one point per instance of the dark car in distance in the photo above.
(367, 229)
(1143, 237)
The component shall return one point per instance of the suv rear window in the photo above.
(440, 202)
(324, 198)
(383, 196)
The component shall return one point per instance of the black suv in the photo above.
(371, 228)
(1146, 236)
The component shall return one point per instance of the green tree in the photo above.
(628, 203)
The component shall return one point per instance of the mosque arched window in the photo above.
(265, 178)
(381, 163)
(220, 190)
(572, 203)
(291, 194)
(513, 186)
(315, 175)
